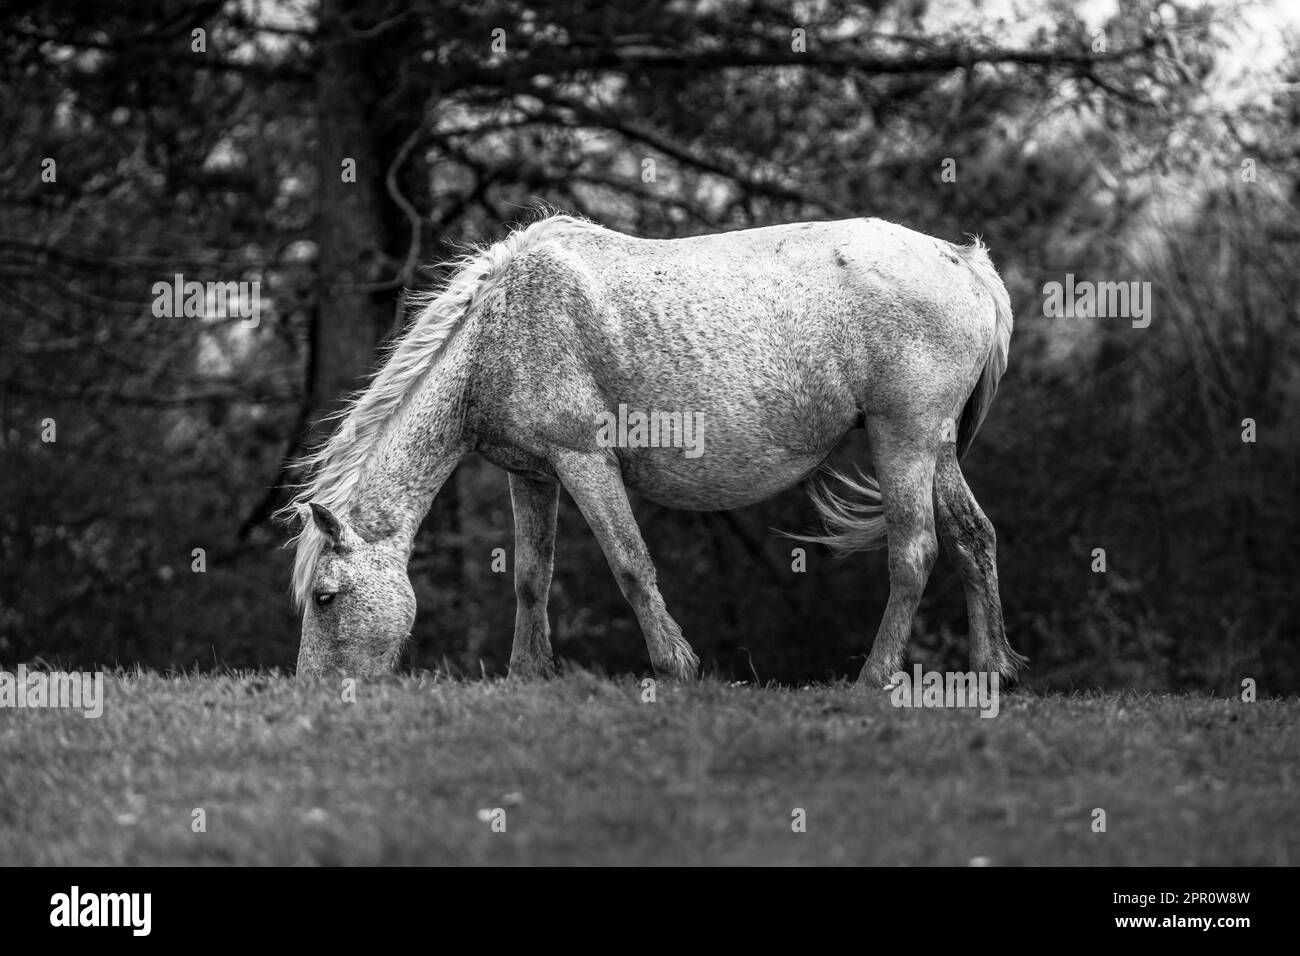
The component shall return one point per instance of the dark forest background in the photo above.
(1152, 143)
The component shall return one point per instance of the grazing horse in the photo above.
(772, 343)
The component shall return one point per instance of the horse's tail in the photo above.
(857, 523)
(976, 257)
(850, 524)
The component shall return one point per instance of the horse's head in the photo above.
(360, 606)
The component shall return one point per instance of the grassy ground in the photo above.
(287, 772)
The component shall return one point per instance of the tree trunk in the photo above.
(349, 321)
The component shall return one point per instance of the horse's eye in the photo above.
(324, 598)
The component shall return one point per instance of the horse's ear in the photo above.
(341, 538)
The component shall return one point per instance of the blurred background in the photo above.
(141, 456)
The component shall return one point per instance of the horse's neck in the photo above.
(415, 456)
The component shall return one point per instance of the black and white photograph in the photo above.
(683, 433)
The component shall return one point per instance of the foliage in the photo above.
(176, 434)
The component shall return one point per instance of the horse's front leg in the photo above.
(594, 481)
(534, 504)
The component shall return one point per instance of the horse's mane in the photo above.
(337, 466)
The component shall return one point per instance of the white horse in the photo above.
(772, 342)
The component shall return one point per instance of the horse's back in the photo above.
(859, 299)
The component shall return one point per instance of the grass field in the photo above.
(287, 772)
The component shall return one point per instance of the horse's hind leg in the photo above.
(904, 463)
(535, 504)
(969, 539)
(596, 485)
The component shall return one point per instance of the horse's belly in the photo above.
(721, 452)
(713, 481)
